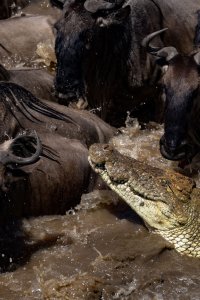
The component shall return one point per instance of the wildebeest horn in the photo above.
(167, 52)
(23, 150)
(197, 58)
(94, 5)
(146, 41)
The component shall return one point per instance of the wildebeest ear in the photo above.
(197, 58)
(23, 150)
(166, 54)
(94, 5)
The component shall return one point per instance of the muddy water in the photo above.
(99, 250)
(45, 49)
(144, 146)
(42, 52)
(40, 7)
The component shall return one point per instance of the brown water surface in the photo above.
(41, 7)
(42, 50)
(101, 250)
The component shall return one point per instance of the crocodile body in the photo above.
(167, 201)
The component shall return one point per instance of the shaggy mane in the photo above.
(15, 96)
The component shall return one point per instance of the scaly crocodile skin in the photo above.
(166, 200)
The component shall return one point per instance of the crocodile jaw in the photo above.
(145, 209)
(184, 238)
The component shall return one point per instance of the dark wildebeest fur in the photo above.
(62, 174)
(99, 53)
(38, 81)
(181, 90)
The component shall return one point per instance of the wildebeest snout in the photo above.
(176, 149)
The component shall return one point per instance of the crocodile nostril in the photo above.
(107, 147)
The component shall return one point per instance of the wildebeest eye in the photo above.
(161, 85)
(66, 14)
(56, 26)
(195, 92)
(87, 36)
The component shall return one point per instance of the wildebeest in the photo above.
(180, 85)
(62, 174)
(39, 183)
(7, 7)
(99, 52)
(38, 81)
(19, 37)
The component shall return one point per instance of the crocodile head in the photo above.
(165, 200)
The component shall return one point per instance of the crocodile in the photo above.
(166, 200)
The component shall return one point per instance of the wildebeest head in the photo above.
(80, 22)
(15, 153)
(180, 84)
